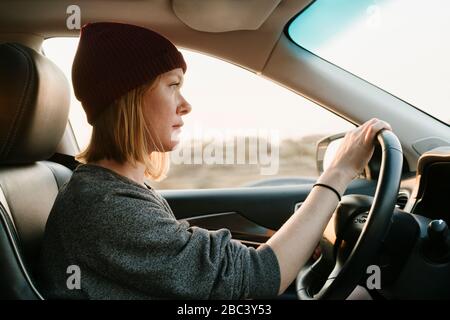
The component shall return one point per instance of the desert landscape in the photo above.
(296, 159)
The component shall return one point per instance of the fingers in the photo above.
(358, 146)
(373, 127)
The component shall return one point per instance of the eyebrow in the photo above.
(180, 78)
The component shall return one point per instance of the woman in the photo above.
(117, 234)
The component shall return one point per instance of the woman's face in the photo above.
(163, 108)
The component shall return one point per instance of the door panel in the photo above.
(267, 207)
(248, 232)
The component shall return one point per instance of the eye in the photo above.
(177, 84)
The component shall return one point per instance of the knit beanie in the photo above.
(114, 58)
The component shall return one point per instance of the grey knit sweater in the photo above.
(128, 244)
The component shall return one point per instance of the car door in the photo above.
(252, 214)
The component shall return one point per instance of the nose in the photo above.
(184, 107)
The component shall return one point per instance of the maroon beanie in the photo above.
(113, 58)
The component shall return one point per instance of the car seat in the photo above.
(34, 107)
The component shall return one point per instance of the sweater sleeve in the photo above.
(138, 244)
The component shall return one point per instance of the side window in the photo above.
(243, 129)
(62, 51)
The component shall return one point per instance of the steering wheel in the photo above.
(340, 268)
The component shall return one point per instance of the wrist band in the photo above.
(328, 187)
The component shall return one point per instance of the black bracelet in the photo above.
(328, 187)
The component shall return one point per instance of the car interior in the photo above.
(394, 216)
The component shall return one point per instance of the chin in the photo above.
(171, 146)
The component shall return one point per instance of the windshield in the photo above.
(401, 46)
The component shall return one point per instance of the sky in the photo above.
(401, 46)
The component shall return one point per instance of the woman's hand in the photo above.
(357, 148)
(294, 243)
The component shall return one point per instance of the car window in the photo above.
(400, 46)
(243, 129)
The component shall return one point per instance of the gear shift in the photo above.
(437, 245)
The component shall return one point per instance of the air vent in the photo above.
(402, 199)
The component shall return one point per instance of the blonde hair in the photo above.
(121, 134)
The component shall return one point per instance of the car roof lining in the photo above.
(224, 15)
(247, 48)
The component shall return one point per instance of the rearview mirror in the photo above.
(326, 150)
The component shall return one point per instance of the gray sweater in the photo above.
(128, 244)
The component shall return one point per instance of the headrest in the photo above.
(34, 105)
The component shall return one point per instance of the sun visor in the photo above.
(223, 15)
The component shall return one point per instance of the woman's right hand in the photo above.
(357, 148)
